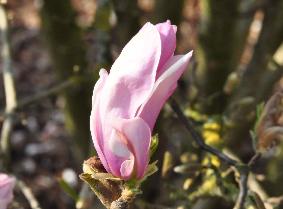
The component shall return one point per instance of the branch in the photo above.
(9, 86)
(254, 159)
(250, 10)
(65, 85)
(242, 169)
(125, 201)
(243, 187)
(44, 94)
(28, 194)
(197, 137)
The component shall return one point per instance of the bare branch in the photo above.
(242, 169)
(197, 137)
(243, 187)
(28, 194)
(9, 86)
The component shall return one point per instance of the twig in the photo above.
(275, 200)
(197, 137)
(9, 86)
(254, 159)
(243, 187)
(125, 201)
(28, 194)
(42, 95)
(244, 171)
(251, 9)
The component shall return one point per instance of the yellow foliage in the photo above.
(211, 137)
(212, 126)
(211, 133)
(211, 160)
(195, 115)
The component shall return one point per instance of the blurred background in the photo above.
(56, 50)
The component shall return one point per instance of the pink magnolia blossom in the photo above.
(126, 103)
(7, 184)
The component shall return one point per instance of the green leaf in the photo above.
(259, 112)
(153, 144)
(133, 185)
(259, 109)
(68, 189)
(151, 169)
(254, 140)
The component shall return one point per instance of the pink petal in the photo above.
(123, 165)
(118, 145)
(95, 120)
(7, 185)
(164, 87)
(133, 74)
(137, 135)
(99, 84)
(115, 147)
(168, 43)
(127, 168)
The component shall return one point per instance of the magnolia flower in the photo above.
(7, 184)
(126, 103)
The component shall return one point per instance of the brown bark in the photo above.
(216, 53)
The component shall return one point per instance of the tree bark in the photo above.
(216, 53)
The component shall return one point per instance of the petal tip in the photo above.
(103, 72)
(188, 56)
